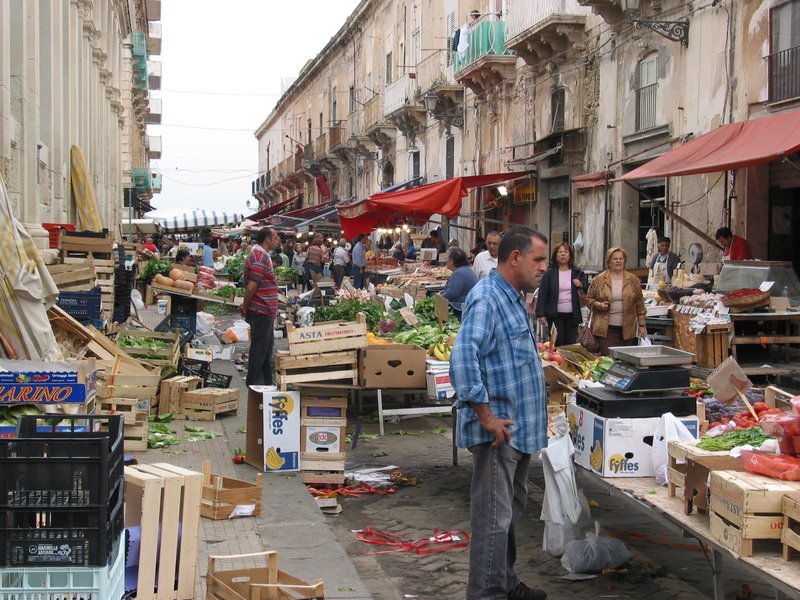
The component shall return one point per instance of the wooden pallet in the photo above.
(164, 500)
(225, 497)
(169, 400)
(746, 508)
(78, 277)
(206, 404)
(327, 337)
(261, 583)
(790, 534)
(340, 367)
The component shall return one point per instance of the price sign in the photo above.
(409, 316)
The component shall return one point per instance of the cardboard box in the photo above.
(204, 354)
(281, 431)
(41, 382)
(392, 366)
(616, 447)
(322, 438)
(438, 384)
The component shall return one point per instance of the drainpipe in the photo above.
(606, 223)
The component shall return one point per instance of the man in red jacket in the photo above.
(734, 247)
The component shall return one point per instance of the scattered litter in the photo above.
(410, 596)
(379, 454)
(439, 430)
(242, 429)
(329, 506)
(345, 589)
(577, 576)
(441, 541)
(199, 434)
(593, 503)
(362, 489)
(403, 432)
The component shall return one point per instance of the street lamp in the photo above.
(430, 100)
(677, 31)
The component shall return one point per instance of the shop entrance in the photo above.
(784, 211)
(650, 217)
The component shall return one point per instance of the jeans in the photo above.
(566, 327)
(358, 278)
(262, 340)
(497, 498)
(338, 274)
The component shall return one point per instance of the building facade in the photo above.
(76, 73)
(576, 91)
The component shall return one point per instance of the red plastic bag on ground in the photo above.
(777, 466)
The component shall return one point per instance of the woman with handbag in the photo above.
(561, 293)
(617, 305)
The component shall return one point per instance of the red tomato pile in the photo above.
(745, 420)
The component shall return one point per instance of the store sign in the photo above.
(525, 195)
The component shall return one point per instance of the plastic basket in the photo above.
(66, 583)
(54, 232)
(81, 306)
(218, 380)
(191, 367)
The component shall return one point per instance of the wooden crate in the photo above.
(166, 358)
(746, 508)
(261, 583)
(135, 437)
(81, 246)
(327, 337)
(164, 500)
(327, 407)
(225, 497)
(340, 367)
(79, 277)
(711, 346)
(169, 400)
(122, 385)
(318, 461)
(206, 404)
(790, 534)
(678, 452)
(322, 477)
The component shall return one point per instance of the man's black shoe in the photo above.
(523, 592)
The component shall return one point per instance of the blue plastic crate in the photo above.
(82, 306)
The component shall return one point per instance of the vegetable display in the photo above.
(235, 265)
(777, 466)
(287, 274)
(155, 266)
(152, 346)
(347, 309)
(753, 436)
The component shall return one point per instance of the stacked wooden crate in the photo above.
(74, 277)
(169, 400)
(207, 403)
(78, 248)
(323, 427)
(324, 352)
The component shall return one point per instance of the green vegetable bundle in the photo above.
(235, 265)
(287, 274)
(753, 436)
(347, 309)
(155, 266)
(143, 343)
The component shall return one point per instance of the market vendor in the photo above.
(665, 262)
(410, 250)
(434, 240)
(461, 281)
(486, 260)
(149, 245)
(734, 247)
(184, 257)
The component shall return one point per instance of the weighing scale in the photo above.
(645, 381)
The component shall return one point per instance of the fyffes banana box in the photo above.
(616, 447)
(281, 431)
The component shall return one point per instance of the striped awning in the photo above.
(85, 200)
(200, 219)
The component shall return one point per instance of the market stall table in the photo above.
(784, 327)
(646, 494)
(180, 320)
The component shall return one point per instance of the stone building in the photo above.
(577, 91)
(78, 72)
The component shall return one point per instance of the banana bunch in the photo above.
(440, 351)
(274, 460)
(596, 457)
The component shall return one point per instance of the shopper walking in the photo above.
(502, 416)
(359, 261)
(315, 258)
(560, 295)
(341, 258)
(260, 306)
(617, 305)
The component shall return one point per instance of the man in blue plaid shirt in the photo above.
(502, 416)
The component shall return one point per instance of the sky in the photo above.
(222, 64)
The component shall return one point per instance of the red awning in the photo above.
(271, 210)
(590, 180)
(416, 204)
(733, 146)
(308, 212)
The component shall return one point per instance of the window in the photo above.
(450, 33)
(449, 157)
(334, 113)
(414, 163)
(646, 94)
(557, 110)
(321, 128)
(416, 47)
(388, 68)
(650, 217)
(784, 58)
(353, 102)
(309, 131)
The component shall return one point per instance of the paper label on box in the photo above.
(620, 428)
(243, 510)
(766, 285)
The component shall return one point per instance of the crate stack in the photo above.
(326, 352)
(61, 499)
(79, 247)
(323, 427)
(186, 397)
(124, 283)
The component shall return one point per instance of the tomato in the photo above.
(713, 424)
(760, 407)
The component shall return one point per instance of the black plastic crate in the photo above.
(82, 306)
(66, 536)
(186, 324)
(183, 306)
(196, 368)
(218, 380)
(78, 466)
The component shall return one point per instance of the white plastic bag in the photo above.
(595, 553)
(645, 341)
(239, 332)
(205, 323)
(136, 300)
(670, 428)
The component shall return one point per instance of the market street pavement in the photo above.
(312, 545)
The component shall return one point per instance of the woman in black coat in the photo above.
(561, 292)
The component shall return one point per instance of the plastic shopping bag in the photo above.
(239, 332)
(670, 428)
(645, 341)
(594, 553)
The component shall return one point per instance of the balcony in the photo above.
(154, 112)
(153, 145)
(154, 39)
(609, 10)
(546, 30)
(139, 61)
(334, 138)
(487, 62)
(142, 181)
(375, 127)
(156, 183)
(153, 10)
(400, 105)
(646, 107)
(784, 74)
(154, 74)
(260, 184)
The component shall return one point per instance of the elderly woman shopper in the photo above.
(561, 293)
(617, 305)
(461, 281)
(341, 258)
